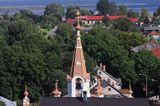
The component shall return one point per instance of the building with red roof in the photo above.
(156, 52)
(91, 20)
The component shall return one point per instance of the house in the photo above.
(150, 28)
(154, 35)
(92, 20)
(152, 46)
(111, 86)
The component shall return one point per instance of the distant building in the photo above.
(92, 20)
(152, 46)
(150, 28)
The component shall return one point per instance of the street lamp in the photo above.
(146, 83)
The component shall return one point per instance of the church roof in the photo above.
(70, 101)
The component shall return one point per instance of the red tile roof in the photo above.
(156, 52)
(99, 18)
(111, 18)
(134, 20)
(154, 33)
(71, 21)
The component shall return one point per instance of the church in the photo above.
(82, 91)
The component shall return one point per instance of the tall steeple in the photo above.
(78, 63)
(78, 75)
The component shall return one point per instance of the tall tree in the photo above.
(105, 7)
(122, 24)
(132, 14)
(122, 10)
(144, 16)
(55, 10)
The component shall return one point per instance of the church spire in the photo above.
(78, 63)
(79, 79)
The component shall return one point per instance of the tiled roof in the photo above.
(66, 101)
(154, 33)
(134, 20)
(71, 21)
(111, 18)
(99, 18)
(156, 52)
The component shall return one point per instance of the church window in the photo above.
(109, 89)
(78, 84)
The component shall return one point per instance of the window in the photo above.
(109, 89)
(78, 84)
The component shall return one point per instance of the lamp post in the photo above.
(146, 78)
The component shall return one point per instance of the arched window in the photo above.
(78, 84)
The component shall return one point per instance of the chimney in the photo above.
(104, 67)
(101, 65)
(85, 99)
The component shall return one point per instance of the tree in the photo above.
(146, 63)
(105, 7)
(157, 12)
(122, 10)
(131, 39)
(55, 10)
(122, 24)
(103, 47)
(144, 16)
(48, 21)
(132, 14)
(71, 12)
(106, 21)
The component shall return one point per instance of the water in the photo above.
(37, 6)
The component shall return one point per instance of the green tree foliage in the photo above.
(106, 21)
(122, 24)
(49, 21)
(103, 47)
(29, 57)
(122, 10)
(157, 12)
(146, 63)
(54, 10)
(144, 16)
(105, 7)
(132, 14)
(131, 39)
(71, 12)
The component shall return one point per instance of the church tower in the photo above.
(79, 79)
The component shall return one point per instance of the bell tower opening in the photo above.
(78, 87)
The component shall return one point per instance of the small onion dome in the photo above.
(56, 92)
(78, 27)
(26, 92)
